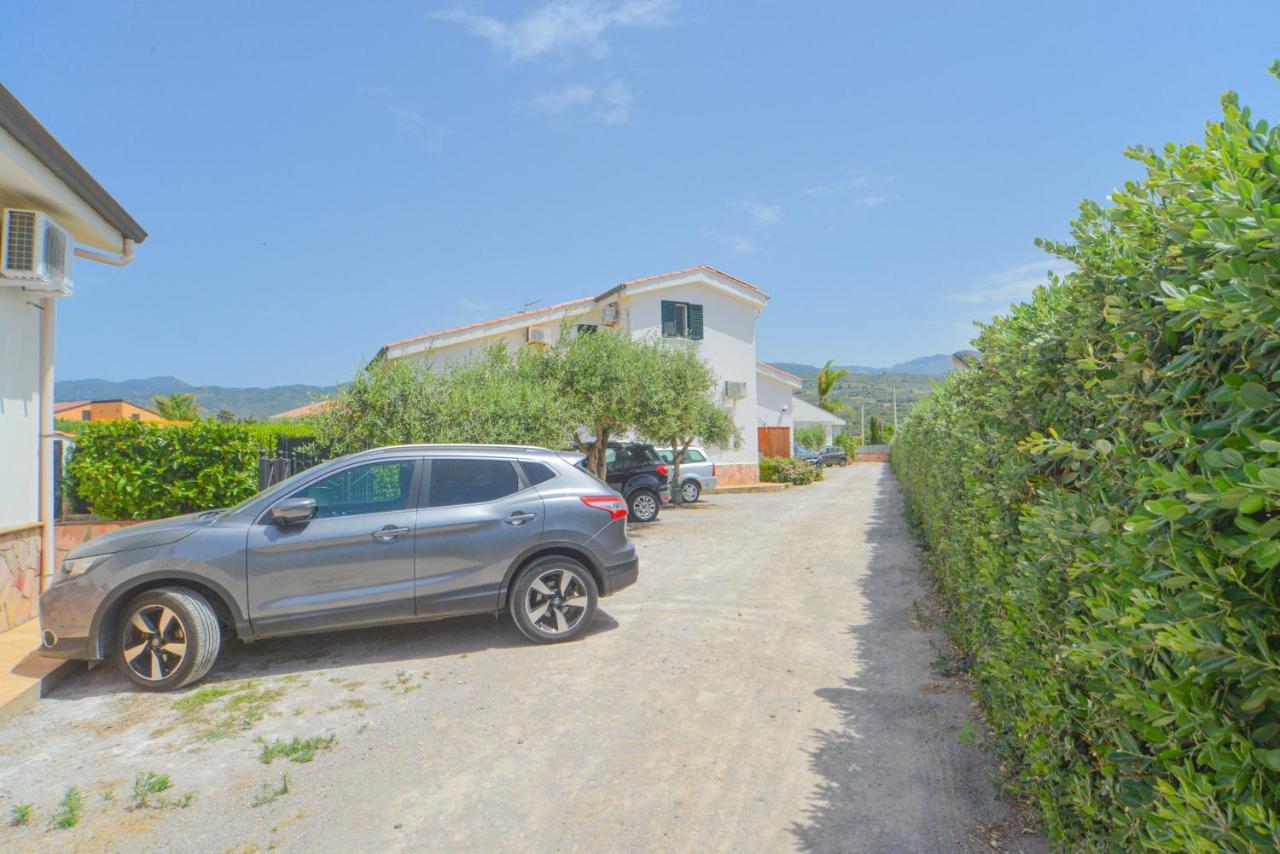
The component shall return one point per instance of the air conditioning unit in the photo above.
(735, 389)
(536, 335)
(610, 314)
(37, 252)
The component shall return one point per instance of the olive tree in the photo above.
(681, 409)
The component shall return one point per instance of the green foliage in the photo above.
(296, 749)
(67, 815)
(497, 398)
(1101, 497)
(826, 383)
(878, 433)
(680, 408)
(788, 470)
(848, 442)
(150, 785)
(20, 814)
(131, 470)
(179, 406)
(811, 437)
(270, 794)
(874, 392)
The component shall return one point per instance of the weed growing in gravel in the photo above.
(402, 684)
(296, 749)
(149, 784)
(967, 733)
(20, 814)
(270, 793)
(220, 711)
(67, 814)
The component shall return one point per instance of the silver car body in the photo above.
(419, 561)
(696, 465)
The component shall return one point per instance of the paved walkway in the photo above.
(25, 674)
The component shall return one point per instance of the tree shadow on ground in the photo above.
(894, 775)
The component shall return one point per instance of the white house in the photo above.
(701, 304)
(808, 415)
(775, 409)
(50, 204)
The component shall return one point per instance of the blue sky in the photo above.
(320, 178)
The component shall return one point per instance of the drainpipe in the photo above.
(48, 328)
(48, 338)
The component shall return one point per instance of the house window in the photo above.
(681, 320)
(86, 415)
(135, 417)
(587, 328)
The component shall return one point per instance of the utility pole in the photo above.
(862, 420)
(895, 409)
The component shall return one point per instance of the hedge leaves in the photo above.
(1101, 498)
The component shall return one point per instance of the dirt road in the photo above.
(767, 686)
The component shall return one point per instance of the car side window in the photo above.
(669, 456)
(537, 472)
(369, 488)
(610, 456)
(692, 456)
(466, 481)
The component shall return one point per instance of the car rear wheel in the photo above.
(554, 599)
(167, 638)
(643, 505)
(691, 491)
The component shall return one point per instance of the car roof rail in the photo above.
(516, 449)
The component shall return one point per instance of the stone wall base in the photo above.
(733, 474)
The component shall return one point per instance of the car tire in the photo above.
(691, 491)
(167, 638)
(643, 505)
(554, 599)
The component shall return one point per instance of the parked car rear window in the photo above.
(370, 488)
(631, 455)
(537, 472)
(470, 481)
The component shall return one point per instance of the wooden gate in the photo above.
(774, 441)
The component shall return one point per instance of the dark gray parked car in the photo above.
(415, 532)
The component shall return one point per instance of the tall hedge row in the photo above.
(1101, 503)
(133, 470)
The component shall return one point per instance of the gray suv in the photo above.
(414, 532)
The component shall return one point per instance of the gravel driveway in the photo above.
(766, 685)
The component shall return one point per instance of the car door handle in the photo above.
(519, 518)
(389, 533)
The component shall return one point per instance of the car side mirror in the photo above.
(293, 510)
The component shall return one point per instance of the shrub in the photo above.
(131, 470)
(1101, 498)
(811, 437)
(788, 470)
(848, 443)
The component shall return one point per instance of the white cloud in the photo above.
(561, 27)
(472, 305)
(739, 244)
(610, 105)
(761, 214)
(863, 190)
(1012, 285)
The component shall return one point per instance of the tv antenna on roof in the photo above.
(530, 304)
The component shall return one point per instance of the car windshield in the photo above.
(275, 488)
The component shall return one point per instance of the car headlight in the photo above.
(72, 567)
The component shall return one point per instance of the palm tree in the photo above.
(827, 379)
(179, 406)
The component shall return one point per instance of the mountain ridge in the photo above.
(246, 402)
(937, 365)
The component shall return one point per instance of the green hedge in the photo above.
(1101, 501)
(132, 470)
(788, 470)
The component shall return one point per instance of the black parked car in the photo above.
(834, 455)
(636, 471)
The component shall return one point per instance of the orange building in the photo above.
(103, 410)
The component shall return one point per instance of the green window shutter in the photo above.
(695, 321)
(668, 319)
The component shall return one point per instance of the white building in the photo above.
(808, 415)
(702, 304)
(50, 204)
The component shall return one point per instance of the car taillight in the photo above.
(614, 505)
(661, 469)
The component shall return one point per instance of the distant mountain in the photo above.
(244, 402)
(926, 366)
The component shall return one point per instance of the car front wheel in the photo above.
(643, 505)
(554, 599)
(691, 491)
(167, 638)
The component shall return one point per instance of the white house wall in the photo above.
(728, 345)
(19, 415)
